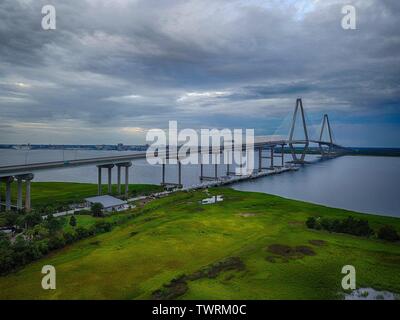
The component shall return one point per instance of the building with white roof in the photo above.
(109, 203)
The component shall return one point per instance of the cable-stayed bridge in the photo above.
(298, 148)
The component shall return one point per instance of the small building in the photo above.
(109, 203)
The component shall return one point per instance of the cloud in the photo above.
(137, 64)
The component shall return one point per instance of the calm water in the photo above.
(365, 184)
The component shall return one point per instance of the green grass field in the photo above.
(176, 235)
(61, 193)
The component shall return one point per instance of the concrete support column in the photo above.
(283, 156)
(201, 171)
(28, 196)
(163, 174)
(119, 179)
(109, 182)
(126, 165)
(230, 152)
(9, 180)
(216, 171)
(272, 157)
(127, 181)
(19, 194)
(109, 179)
(260, 159)
(28, 178)
(0, 194)
(99, 180)
(179, 173)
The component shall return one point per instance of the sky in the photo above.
(112, 70)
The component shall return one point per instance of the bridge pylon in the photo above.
(326, 123)
(292, 142)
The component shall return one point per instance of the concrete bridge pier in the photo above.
(201, 171)
(215, 175)
(99, 180)
(272, 157)
(178, 184)
(8, 181)
(19, 193)
(126, 165)
(163, 174)
(28, 178)
(109, 167)
(109, 185)
(20, 178)
(119, 179)
(179, 174)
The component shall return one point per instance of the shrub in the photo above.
(81, 232)
(72, 221)
(53, 224)
(326, 224)
(311, 223)
(388, 233)
(70, 237)
(349, 225)
(102, 226)
(56, 242)
(97, 209)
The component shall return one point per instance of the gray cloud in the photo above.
(139, 63)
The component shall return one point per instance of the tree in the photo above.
(10, 219)
(97, 209)
(38, 232)
(31, 219)
(388, 233)
(311, 222)
(72, 221)
(53, 224)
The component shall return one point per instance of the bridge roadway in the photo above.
(21, 169)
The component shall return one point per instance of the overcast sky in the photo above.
(114, 69)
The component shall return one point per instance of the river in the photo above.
(364, 184)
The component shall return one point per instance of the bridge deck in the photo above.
(40, 166)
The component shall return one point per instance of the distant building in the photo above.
(109, 203)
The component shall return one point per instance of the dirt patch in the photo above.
(133, 233)
(172, 290)
(318, 243)
(247, 214)
(178, 286)
(286, 252)
(280, 250)
(307, 251)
